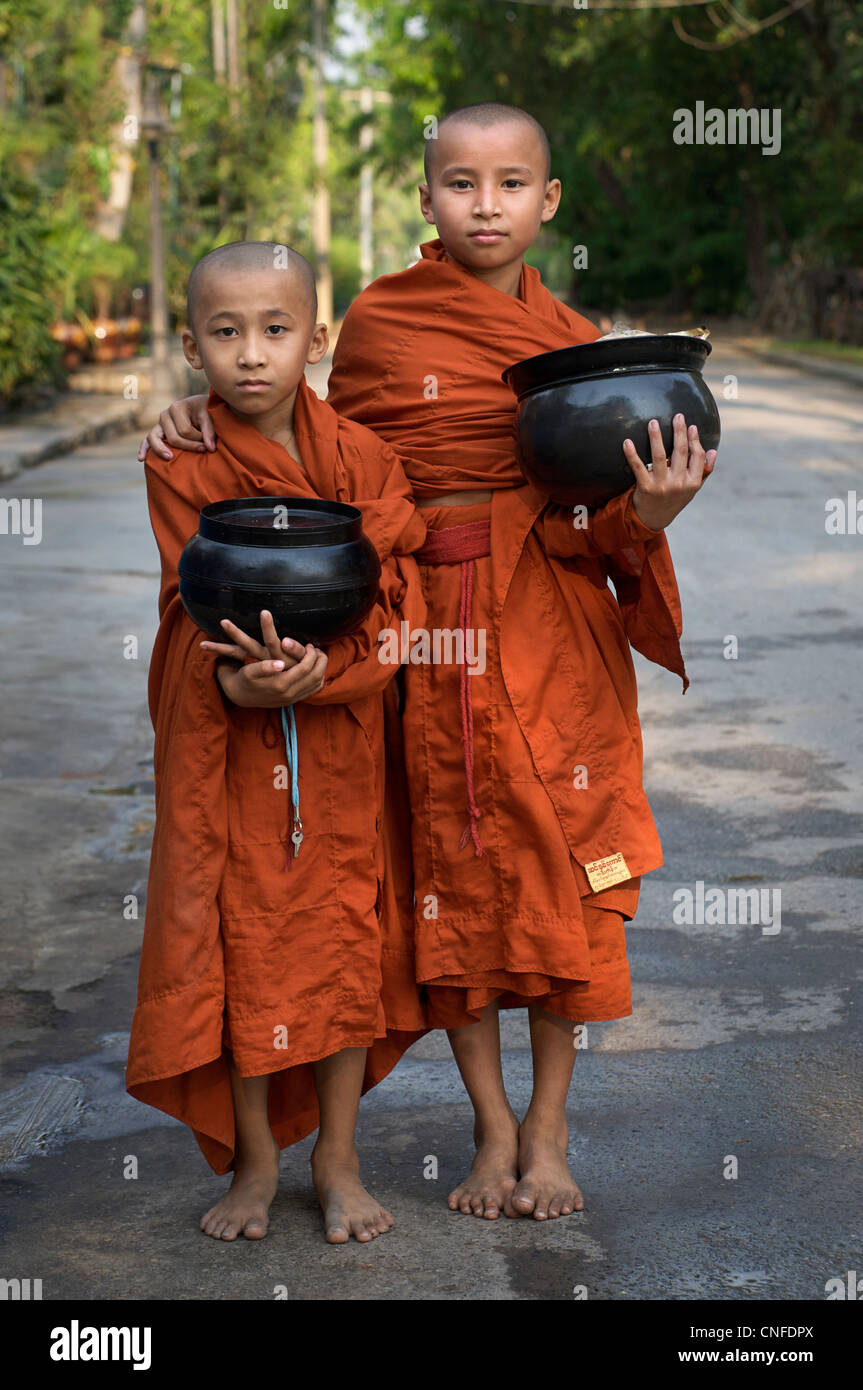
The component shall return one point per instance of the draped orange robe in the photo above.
(284, 966)
(557, 742)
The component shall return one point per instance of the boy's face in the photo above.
(487, 192)
(253, 333)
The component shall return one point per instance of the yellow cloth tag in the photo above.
(603, 873)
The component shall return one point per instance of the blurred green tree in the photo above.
(695, 227)
(692, 229)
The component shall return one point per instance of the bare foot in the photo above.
(245, 1207)
(488, 1187)
(349, 1210)
(546, 1187)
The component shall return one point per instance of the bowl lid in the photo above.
(653, 351)
(280, 521)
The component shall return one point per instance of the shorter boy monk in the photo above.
(277, 974)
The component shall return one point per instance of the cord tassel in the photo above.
(289, 726)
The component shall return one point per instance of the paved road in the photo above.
(744, 1044)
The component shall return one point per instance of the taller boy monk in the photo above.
(277, 974)
(531, 828)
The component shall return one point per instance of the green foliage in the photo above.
(56, 66)
(695, 227)
(818, 347)
(27, 351)
(345, 266)
(693, 230)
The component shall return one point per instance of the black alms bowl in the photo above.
(577, 405)
(305, 560)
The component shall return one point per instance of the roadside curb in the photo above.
(820, 366)
(59, 442)
(117, 417)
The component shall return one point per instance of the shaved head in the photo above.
(483, 115)
(240, 256)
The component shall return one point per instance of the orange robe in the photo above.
(284, 966)
(533, 910)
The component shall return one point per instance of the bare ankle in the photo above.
(335, 1151)
(257, 1154)
(497, 1127)
(545, 1125)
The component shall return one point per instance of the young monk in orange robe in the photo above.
(531, 828)
(274, 985)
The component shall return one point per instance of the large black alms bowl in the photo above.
(319, 576)
(577, 405)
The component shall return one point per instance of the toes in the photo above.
(344, 1222)
(362, 1228)
(255, 1228)
(529, 1201)
(487, 1203)
(566, 1203)
(508, 1194)
(337, 1228)
(210, 1220)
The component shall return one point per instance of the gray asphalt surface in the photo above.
(744, 1043)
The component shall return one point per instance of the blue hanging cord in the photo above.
(289, 725)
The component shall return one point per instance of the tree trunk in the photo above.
(111, 213)
(220, 62)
